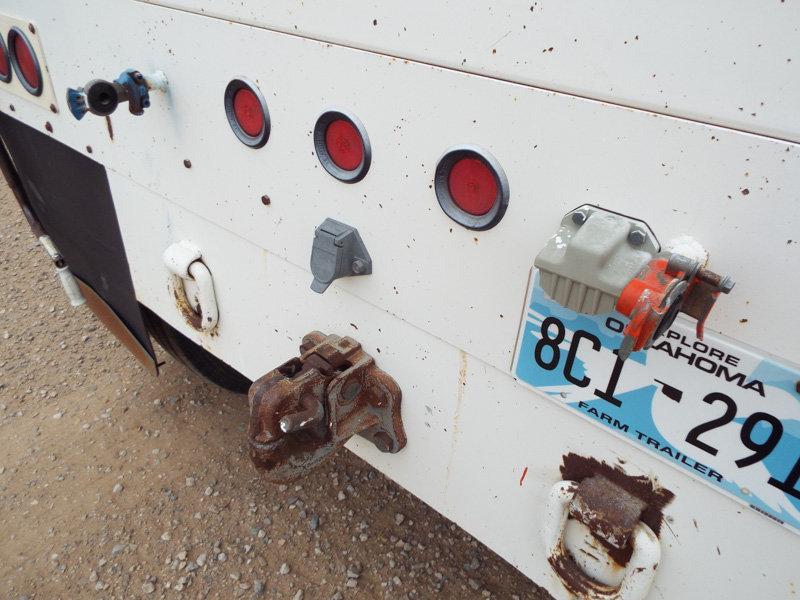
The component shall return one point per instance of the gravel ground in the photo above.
(114, 484)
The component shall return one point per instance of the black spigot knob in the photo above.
(103, 97)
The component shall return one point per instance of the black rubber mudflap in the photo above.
(69, 194)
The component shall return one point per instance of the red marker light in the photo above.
(344, 144)
(472, 186)
(26, 63)
(5, 65)
(247, 109)
(247, 113)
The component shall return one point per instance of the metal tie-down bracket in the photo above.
(629, 551)
(303, 411)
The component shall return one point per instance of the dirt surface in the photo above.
(114, 484)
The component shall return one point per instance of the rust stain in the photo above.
(610, 512)
(524, 474)
(194, 319)
(574, 579)
(577, 468)
(462, 382)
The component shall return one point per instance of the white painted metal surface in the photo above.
(730, 63)
(440, 311)
(733, 192)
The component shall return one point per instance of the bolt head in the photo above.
(726, 285)
(358, 266)
(637, 237)
(579, 217)
(350, 391)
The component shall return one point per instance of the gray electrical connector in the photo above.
(592, 257)
(338, 251)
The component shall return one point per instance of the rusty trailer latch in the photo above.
(303, 411)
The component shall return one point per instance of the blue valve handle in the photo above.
(76, 100)
(135, 93)
(138, 95)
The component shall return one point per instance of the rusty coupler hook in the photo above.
(303, 411)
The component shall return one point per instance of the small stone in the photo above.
(222, 557)
(398, 518)
(148, 587)
(93, 576)
(284, 570)
(314, 522)
(118, 487)
(117, 549)
(182, 555)
(472, 565)
(298, 595)
(208, 491)
(258, 587)
(201, 559)
(351, 583)
(190, 482)
(166, 536)
(340, 496)
(58, 415)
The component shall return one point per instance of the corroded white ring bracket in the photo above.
(640, 571)
(184, 262)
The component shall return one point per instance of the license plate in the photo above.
(716, 409)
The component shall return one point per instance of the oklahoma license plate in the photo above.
(715, 409)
